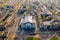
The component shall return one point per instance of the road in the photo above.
(13, 29)
(44, 35)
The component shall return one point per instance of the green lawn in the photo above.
(54, 38)
(3, 22)
(32, 38)
(58, 13)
